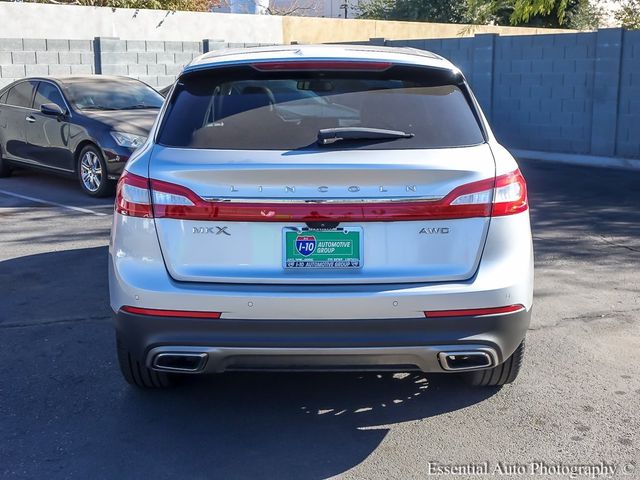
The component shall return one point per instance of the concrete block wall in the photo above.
(543, 91)
(155, 62)
(565, 93)
(562, 93)
(628, 120)
(23, 57)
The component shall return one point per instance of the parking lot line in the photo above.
(55, 204)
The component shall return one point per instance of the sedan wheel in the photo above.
(93, 173)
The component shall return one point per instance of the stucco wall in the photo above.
(34, 20)
(327, 30)
(71, 22)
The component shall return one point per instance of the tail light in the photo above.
(137, 196)
(140, 197)
(508, 194)
(132, 196)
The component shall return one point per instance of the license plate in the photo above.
(339, 248)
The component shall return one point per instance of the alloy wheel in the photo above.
(91, 171)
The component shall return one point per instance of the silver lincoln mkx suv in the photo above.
(321, 208)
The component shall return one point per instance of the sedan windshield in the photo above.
(110, 94)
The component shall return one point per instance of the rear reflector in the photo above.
(169, 313)
(288, 65)
(474, 312)
(140, 197)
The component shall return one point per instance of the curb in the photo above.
(577, 159)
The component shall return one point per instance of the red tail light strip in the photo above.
(474, 312)
(169, 313)
(293, 212)
(279, 212)
(288, 65)
(201, 209)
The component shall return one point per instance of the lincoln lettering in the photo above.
(326, 189)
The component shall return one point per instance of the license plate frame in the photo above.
(346, 258)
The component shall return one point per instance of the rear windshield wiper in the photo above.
(327, 136)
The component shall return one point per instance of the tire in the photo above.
(500, 375)
(136, 372)
(5, 169)
(92, 173)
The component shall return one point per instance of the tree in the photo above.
(292, 8)
(433, 10)
(376, 9)
(538, 13)
(444, 11)
(542, 13)
(589, 15)
(629, 14)
(525, 10)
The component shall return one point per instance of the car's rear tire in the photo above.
(5, 169)
(500, 375)
(136, 373)
(92, 173)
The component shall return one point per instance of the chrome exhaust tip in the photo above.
(460, 361)
(178, 362)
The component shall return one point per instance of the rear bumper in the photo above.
(328, 344)
(368, 320)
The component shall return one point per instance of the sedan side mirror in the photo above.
(52, 109)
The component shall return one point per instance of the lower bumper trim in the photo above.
(221, 359)
(330, 344)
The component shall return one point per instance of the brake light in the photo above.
(288, 65)
(169, 313)
(132, 196)
(474, 312)
(140, 197)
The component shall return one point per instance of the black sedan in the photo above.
(86, 126)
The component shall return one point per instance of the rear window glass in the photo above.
(243, 109)
(21, 95)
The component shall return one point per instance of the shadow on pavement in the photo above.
(68, 413)
(59, 286)
(49, 186)
(583, 213)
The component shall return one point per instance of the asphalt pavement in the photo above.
(66, 413)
